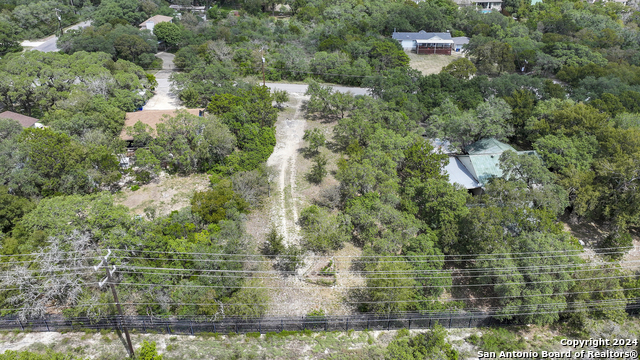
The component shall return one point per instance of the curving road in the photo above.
(49, 44)
(302, 88)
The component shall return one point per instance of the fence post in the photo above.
(368, 319)
(214, 327)
(429, 327)
(281, 325)
(45, 322)
(21, 327)
(236, 325)
(470, 319)
(325, 323)
(260, 326)
(191, 326)
(388, 321)
(409, 322)
(450, 319)
(347, 324)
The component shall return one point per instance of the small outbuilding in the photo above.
(459, 42)
(25, 121)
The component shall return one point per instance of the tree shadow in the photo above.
(332, 146)
(307, 153)
(320, 117)
(473, 296)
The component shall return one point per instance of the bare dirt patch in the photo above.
(431, 64)
(166, 193)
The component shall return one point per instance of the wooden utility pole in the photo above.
(264, 83)
(109, 280)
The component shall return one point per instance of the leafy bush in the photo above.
(496, 340)
(318, 169)
(274, 244)
(431, 345)
(148, 351)
(213, 205)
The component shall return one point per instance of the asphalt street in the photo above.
(302, 88)
(49, 43)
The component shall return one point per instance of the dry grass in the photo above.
(166, 193)
(431, 64)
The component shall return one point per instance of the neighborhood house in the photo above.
(25, 121)
(154, 20)
(423, 42)
(482, 162)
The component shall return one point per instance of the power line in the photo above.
(382, 287)
(426, 271)
(278, 276)
(374, 261)
(375, 256)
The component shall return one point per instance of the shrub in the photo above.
(148, 351)
(274, 244)
(318, 170)
(135, 187)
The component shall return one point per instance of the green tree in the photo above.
(318, 169)
(462, 129)
(250, 301)
(461, 69)
(323, 231)
(388, 54)
(168, 32)
(212, 205)
(8, 39)
(392, 292)
(422, 162)
(12, 209)
(315, 138)
(130, 47)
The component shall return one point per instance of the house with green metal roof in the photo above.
(481, 164)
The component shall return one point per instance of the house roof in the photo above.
(149, 117)
(25, 121)
(488, 146)
(156, 20)
(458, 174)
(420, 35)
(460, 40)
(435, 40)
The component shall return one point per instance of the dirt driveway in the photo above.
(164, 99)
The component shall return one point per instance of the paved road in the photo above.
(302, 88)
(49, 43)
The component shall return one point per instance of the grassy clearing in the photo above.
(431, 64)
(166, 193)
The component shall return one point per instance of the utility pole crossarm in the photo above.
(109, 280)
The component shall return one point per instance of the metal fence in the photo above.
(197, 324)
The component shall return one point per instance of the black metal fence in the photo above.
(198, 324)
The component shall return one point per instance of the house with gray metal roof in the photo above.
(425, 42)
